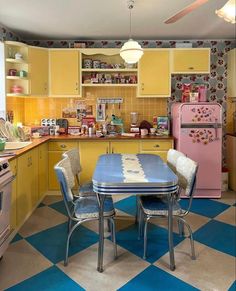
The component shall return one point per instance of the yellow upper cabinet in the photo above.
(38, 63)
(231, 83)
(154, 74)
(191, 61)
(64, 68)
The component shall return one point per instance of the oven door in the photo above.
(5, 204)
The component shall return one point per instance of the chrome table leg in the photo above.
(101, 233)
(170, 232)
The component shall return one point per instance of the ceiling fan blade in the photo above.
(185, 11)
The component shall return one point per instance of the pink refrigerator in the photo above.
(197, 130)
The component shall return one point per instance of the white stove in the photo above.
(6, 178)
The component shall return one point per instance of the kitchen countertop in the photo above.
(39, 141)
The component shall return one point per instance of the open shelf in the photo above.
(109, 70)
(16, 94)
(9, 60)
(108, 85)
(16, 78)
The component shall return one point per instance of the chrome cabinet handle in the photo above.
(112, 150)
(156, 146)
(191, 68)
(63, 146)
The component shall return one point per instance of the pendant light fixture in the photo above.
(227, 12)
(131, 51)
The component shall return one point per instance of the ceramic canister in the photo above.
(87, 63)
(96, 64)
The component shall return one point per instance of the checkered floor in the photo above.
(34, 260)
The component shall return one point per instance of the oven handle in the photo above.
(8, 181)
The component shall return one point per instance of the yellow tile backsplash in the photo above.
(30, 110)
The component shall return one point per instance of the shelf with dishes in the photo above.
(110, 70)
(16, 62)
(109, 78)
(106, 69)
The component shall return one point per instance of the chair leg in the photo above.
(181, 228)
(193, 256)
(113, 235)
(68, 241)
(137, 210)
(145, 238)
(140, 223)
(109, 226)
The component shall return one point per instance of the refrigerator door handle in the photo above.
(216, 130)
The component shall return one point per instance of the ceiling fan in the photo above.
(228, 14)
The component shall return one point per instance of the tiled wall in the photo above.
(31, 110)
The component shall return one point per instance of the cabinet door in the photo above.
(38, 61)
(89, 154)
(43, 169)
(23, 202)
(64, 72)
(124, 147)
(154, 74)
(53, 159)
(34, 180)
(13, 221)
(191, 61)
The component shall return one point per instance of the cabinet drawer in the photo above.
(156, 145)
(62, 145)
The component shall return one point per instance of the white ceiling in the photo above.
(109, 19)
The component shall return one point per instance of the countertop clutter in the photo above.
(39, 141)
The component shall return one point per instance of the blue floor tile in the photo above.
(59, 206)
(205, 207)
(16, 238)
(233, 287)
(50, 279)
(219, 236)
(153, 279)
(157, 244)
(52, 242)
(127, 205)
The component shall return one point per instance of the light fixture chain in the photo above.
(130, 6)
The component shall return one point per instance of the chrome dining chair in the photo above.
(172, 157)
(154, 206)
(83, 189)
(82, 209)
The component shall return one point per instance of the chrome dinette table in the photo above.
(137, 174)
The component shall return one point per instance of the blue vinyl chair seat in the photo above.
(88, 207)
(86, 189)
(158, 206)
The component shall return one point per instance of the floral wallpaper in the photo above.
(6, 34)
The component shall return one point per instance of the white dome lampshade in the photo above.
(131, 52)
(227, 12)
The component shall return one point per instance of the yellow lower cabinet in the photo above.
(89, 154)
(27, 184)
(124, 147)
(43, 169)
(13, 222)
(157, 147)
